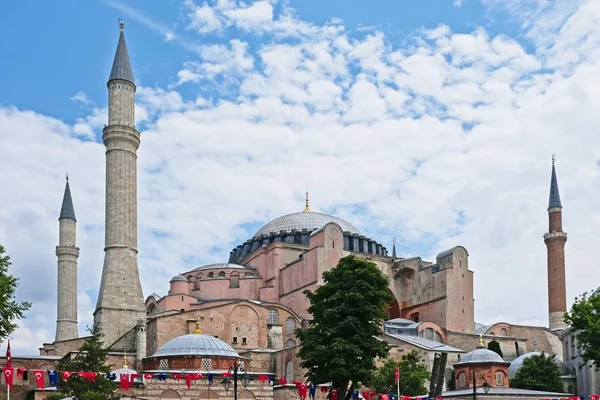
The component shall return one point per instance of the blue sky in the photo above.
(431, 121)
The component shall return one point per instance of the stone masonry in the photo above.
(67, 253)
(120, 299)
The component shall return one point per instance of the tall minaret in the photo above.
(120, 300)
(555, 241)
(67, 253)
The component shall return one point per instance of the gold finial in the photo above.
(481, 345)
(198, 331)
(553, 159)
(121, 24)
(125, 360)
(307, 204)
(67, 176)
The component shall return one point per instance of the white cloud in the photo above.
(443, 142)
(82, 98)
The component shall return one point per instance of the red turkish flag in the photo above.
(8, 356)
(20, 372)
(148, 376)
(90, 376)
(9, 374)
(282, 381)
(263, 378)
(385, 397)
(397, 374)
(334, 394)
(124, 378)
(66, 375)
(39, 378)
(191, 377)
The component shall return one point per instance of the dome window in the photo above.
(163, 364)
(206, 363)
(222, 274)
(273, 316)
(211, 274)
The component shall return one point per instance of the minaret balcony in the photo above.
(553, 235)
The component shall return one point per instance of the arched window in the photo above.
(170, 394)
(289, 371)
(503, 332)
(273, 316)
(290, 326)
(290, 343)
(152, 309)
(462, 380)
(499, 378)
(222, 274)
(211, 274)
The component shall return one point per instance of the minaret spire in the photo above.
(120, 299)
(555, 241)
(67, 253)
(394, 248)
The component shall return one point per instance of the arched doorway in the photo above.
(246, 395)
(393, 310)
(208, 395)
(170, 394)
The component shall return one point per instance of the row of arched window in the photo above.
(499, 379)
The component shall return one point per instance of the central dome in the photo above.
(304, 220)
(196, 345)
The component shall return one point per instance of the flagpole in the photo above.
(398, 387)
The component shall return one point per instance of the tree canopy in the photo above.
(342, 341)
(538, 372)
(494, 345)
(10, 310)
(584, 318)
(92, 357)
(413, 375)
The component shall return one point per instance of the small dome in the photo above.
(196, 345)
(482, 356)
(179, 278)
(518, 362)
(304, 220)
(220, 266)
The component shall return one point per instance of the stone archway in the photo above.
(208, 395)
(393, 310)
(246, 395)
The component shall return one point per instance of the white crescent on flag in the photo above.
(303, 386)
(333, 391)
(7, 372)
(38, 375)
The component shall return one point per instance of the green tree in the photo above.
(451, 381)
(91, 358)
(413, 375)
(494, 345)
(584, 319)
(538, 372)
(342, 341)
(10, 310)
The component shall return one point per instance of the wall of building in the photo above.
(469, 342)
(586, 376)
(23, 386)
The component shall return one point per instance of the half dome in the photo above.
(196, 345)
(300, 221)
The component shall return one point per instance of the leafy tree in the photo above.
(451, 382)
(92, 357)
(342, 341)
(10, 310)
(494, 345)
(413, 375)
(538, 372)
(584, 319)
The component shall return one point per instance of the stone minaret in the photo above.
(555, 241)
(67, 253)
(120, 300)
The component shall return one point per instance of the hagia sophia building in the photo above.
(246, 309)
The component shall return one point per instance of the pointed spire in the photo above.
(394, 248)
(121, 68)
(554, 195)
(307, 204)
(125, 359)
(67, 210)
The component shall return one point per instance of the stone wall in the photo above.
(469, 341)
(21, 387)
(200, 390)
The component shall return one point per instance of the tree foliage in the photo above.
(10, 310)
(413, 375)
(538, 372)
(585, 319)
(92, 357)
(342, 341)
(494, 345)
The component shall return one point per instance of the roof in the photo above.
(220, 266)
(518, 362)
(426, 344)
(554, 195)
(401, 322)
(196, 345)
(179, 278)
(482, 356)
(300, 221)
(498, 391)
(121, 68)
(67, 210)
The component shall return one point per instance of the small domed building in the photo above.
(481, 367)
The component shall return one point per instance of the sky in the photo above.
(431, 121)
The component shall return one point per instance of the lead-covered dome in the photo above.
(517, 363)
(300, 221)
(196, 345)
(482, 355)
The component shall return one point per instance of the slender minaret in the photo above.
(555, 241)
(67, 253)
(394, 248)
(120, 299)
